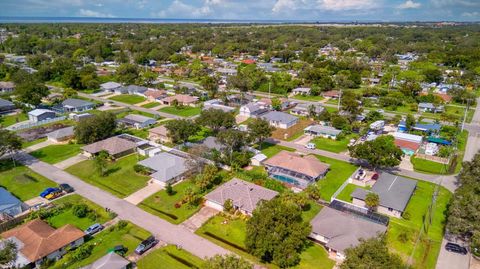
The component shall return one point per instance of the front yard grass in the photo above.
(27, 144)
(8, 120)
(430, 167)
(339, 172)
(163, 205)
(313, 98)
(128, 98)
(169, 257)
(21, 181)
(403, 233)
(98, 215)
(121, 180)
(129, 236)
(332, 145)
(151, 104)
(56, 153)
(185, 111)
(270, 149)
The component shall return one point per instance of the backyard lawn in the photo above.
(56, 153)
(313, 98)
(169, 257)
(163, 205)
(151, 104)
(186, 111)
(271, 150)
(21, 181)
(8, 120)
(428, 166)
(333, 145)
(293, 132)
(339, 172)
(97, 215)
(129, 236)
(121, 180)
(403, 233)
(128, 98)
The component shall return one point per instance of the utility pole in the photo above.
(269, 89)
(339, 98)
(465, 114)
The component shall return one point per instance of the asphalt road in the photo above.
(163, 230)
(451, 260)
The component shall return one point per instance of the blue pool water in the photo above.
(286, 179)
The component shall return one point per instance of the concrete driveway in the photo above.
(142, 194)
(71, 161)
(196, 221)
(451, 260)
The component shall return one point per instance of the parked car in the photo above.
(310, 146)
(66, 188)
(95, 228)
(47, 191)
(375, 176)
(54, 194)
(146, 245)
(119, 249)
(452, 247)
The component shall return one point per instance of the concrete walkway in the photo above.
(142, 194)
(196, 221)
(165, 231)
(71, 161)
(39, 146)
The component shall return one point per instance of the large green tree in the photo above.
(381, 152)
(8, 253)
(95, 128)
(31, 92)
(277, 233)
(216, 119)
(259, 130)
(9, 142)
(180, 130)
(227, 262)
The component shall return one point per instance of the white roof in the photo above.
(408, 137)
(260, 157)
(38, 112)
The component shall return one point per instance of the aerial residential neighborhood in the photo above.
(239, 144)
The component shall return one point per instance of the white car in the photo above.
(310, 146)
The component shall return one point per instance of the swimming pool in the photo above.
(286, 179)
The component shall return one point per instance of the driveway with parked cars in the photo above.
(451, 260)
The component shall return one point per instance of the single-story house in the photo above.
(428, 127)
(258, 159)
(240, 99)
(37, 115)
(334, 94)
(79, 117)
(136, 121)
(279, 119)
(408, 143)
(182, 99)
(244, 196)
(217, 104)
(252, 110)
(294, 169)
(155, 95)
(37, 241)
(110, 261)
(338, 230)
(211, 143)
(304, 109)
(267, 102)
(159, 133)
(9, 204)
(429, 107)
(115, 146)
(166, 167)
(323, 131)
(131, 89)
(61, 135)
(76, 105)
(6, 106)
(110, 86)
(394, 193)
(301, 91)
(6, 87)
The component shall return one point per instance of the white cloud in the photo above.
(474, 14)
(339, 5)
(91, 13)
(179, 9)
(409, 4)
(467, 3)
(287, 5)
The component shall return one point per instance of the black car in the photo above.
(452, 247)
(66, 188)
(146, 245)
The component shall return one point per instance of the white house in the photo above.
(252, 110)
(279, 119)
(37, 115)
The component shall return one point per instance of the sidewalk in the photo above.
(71, 161)
(142, 194)
(38, 146)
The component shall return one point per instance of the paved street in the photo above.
(165, 231)
(473, 142)
(450, 260)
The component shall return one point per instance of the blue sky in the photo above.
(321, 10)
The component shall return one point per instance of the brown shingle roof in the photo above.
(160, 130)
(181, 98)
(308, 165)
(155, 93)
(40, 240)
(113, 145)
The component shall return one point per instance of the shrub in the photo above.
(403, 237)
(82, 252)
(169, 189)
(406, 215)
(121, 224)
(81, 210)
(140, 169)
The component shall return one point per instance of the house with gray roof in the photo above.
(429, 107)
(131, 89)
(279, 119)
(9, 204)
(37, 115)
(394, 193)
(304, 109)
(136, 121)
(217, 104)
(110, 261)
(6, 87)
(110, 86)
(6, 106)
(338, 230)
(323, 131)
(76, 105)
(252, 110)
(245, 196)
(301, 91)
(61, 135)
(166, 167)
(211, 142)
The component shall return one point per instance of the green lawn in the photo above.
(315, 256)
(271, 150)
(312, 211)
(332, 145)
(430, 167)
(56, 153)
(186, 111)
(346, 194)
(312, 98)
(34, 142)
(169, 257)
(121, 179)
(151, 104)
(331, 109)
(8, 120)
(21, 181)
(129, 236)
(339, 172)
(427, 250)
(67, 216)
(163, 205)
(128, 98)
(123, 113)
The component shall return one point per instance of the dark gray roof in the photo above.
(135, 88)
(323, 129)
(76, 102)
(211, 142)
(5, 103)
(166, 166)
(394, 191)
(279, 117)
(61, 133)
(342, 229)
(7, 200)
(109, 261)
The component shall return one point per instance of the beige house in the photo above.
(159, 133)
(115, 146)
(182, 99)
